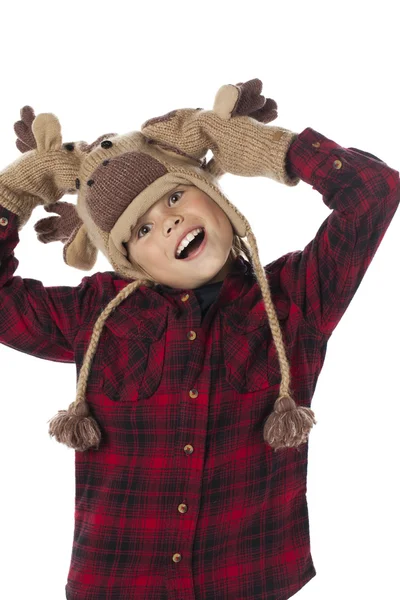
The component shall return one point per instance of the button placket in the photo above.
(188, 449)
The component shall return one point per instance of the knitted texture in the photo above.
(45, 172)
(240, 145)
(61, 228)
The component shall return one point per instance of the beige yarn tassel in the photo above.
(289, 425)
(75, 427)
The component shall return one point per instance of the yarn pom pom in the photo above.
(289, 425)
(75, 427)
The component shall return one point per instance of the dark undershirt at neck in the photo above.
(205, 294)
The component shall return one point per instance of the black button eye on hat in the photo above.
(69, 147)
(106, 144)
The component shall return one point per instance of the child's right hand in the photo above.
(47, 170)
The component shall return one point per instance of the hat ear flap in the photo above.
(79, 252)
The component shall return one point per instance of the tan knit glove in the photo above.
(234, 131)
(47, 170)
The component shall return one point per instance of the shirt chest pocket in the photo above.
(131, 358)
(250, 357)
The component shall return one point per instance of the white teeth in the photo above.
(186, 240)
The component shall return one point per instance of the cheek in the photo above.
(226, 230)
(147, 254)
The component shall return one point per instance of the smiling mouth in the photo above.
(193, 246)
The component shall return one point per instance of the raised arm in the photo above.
(363, 193)
(34, 319)
(41, 321)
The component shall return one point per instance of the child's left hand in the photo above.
(235, 132)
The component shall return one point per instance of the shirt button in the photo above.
(3, 221)
(193, 393)
(184, 297)
(192, 335)
(177, 557)
(316, 144)
(337, 164)
(188, 449)
(182, 508)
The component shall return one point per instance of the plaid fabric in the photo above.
(184, 500)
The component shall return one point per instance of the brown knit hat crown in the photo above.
(121, 176)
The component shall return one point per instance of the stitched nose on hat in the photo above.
(114, 186)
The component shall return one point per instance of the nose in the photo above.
(176, 221)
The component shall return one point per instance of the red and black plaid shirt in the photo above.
(184, 500)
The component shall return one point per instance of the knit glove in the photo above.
(234, 131)
(46, 171)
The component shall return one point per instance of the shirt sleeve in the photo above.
(363, 193)
(34, 319)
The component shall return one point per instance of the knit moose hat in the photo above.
(119, 177)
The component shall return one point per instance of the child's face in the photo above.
(154, 239)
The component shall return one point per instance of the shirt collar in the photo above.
(240, 266)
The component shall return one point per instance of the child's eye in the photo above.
(172, 196)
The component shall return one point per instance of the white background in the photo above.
(107, 67)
